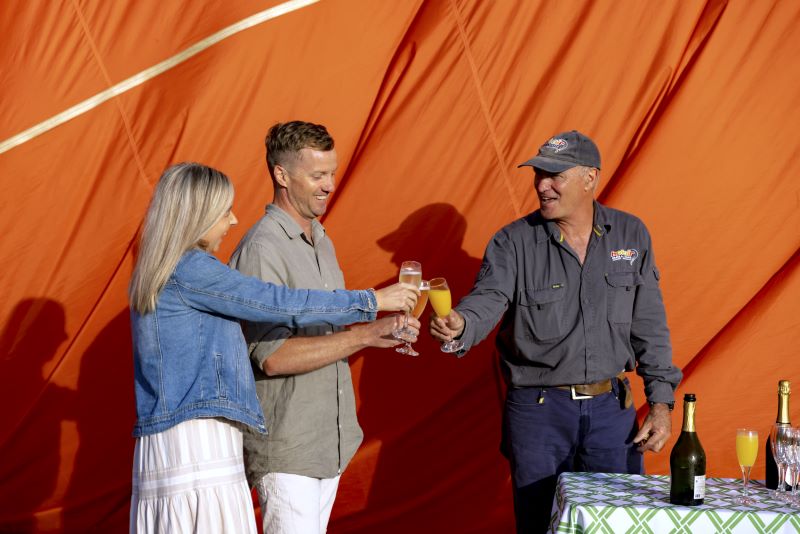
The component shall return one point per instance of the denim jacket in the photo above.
(190, 357)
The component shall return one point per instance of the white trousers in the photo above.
(294, 504)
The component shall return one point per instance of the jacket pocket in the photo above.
(621, 290)
(543, 311)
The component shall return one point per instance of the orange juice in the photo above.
(421, 302)
(440, 300)
(746, 448)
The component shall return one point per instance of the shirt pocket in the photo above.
(621, 287)
(543, 310)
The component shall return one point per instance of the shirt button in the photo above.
(326, 285)
(339, 471)
(340, 392)
(340, 426)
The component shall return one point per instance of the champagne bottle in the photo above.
(687, 462)
(784, 390)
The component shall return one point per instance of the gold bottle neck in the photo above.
(688, 416)
(784, 390)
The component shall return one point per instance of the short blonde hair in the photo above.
(188, 200)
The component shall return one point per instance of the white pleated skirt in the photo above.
(190, 478)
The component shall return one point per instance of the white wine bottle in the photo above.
(784, 390)
(687, 461)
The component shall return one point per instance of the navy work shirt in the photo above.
(565, 323)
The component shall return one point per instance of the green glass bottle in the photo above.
(687, 461)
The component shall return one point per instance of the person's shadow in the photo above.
(66, 451)
(34, 411)
(431, 423)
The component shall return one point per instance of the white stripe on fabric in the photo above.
(228, 471)
(152, 72)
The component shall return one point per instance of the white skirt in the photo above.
(190, 478)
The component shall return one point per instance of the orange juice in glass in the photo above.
(442, 303)
(746, 452)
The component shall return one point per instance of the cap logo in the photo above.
(557, 144)
(625, 255)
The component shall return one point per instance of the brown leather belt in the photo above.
(587, 391)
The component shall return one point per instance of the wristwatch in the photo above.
(670, 405)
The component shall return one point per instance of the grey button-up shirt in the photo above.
(565, 323)
(311, 417)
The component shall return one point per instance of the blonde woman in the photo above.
(195, 392)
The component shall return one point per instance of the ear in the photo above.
(591, 178)
(281, 176)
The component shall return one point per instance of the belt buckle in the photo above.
(575, 396)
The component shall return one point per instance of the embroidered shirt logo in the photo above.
(625, 255)
(557, 144)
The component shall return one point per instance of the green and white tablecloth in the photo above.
(614, 504)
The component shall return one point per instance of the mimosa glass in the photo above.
(424, 287)
(442, 303)
(746, 452)
(410, 273)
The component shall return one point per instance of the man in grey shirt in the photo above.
(576, 286)
(302, 376)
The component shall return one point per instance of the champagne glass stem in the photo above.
(781, 479)
(745, 480)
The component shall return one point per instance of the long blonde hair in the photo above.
(188, 200)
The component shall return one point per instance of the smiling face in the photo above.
(213, 238)
(306, 182)
(564, 194)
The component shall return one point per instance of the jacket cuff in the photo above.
(369, 302)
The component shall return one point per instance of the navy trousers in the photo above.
(546, 432)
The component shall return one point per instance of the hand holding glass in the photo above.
(441, 301)
(410, 273)
(424, 287)
(746, 452)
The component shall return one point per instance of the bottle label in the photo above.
(700, 487)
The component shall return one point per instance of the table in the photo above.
(610, 503)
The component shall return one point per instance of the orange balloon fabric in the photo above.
(433, 104)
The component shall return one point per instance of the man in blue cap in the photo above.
(576, 289)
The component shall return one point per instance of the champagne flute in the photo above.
(410, 273)
(746, 452)
(424, 287)
(793, 455)
(441, 301)
(779, 440)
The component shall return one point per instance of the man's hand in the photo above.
(379, 333)
(447, 328)
(656, 429)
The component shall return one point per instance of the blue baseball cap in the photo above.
(564, 151)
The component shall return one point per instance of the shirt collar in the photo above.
(546, 229)
(602, 221)
(291, 227)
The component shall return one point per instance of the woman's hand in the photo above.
(397, 297)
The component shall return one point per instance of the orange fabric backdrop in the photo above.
(432, 103)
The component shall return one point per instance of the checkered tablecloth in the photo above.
(614, 504)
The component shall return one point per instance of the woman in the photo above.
(195, 392)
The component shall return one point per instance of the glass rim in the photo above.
(745, 430)
(440, 281)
